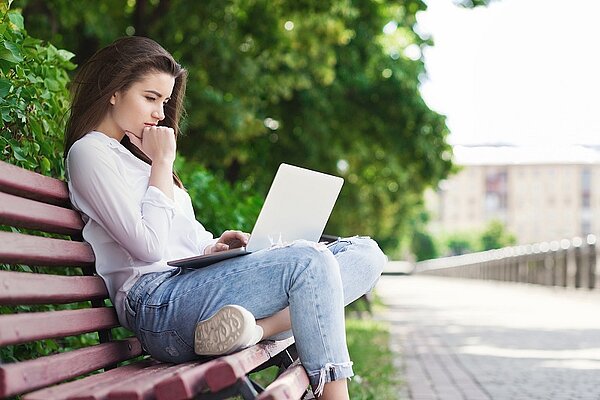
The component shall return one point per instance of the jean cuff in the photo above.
(330, 372)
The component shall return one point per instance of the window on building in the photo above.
(586, 188)
(496, 193)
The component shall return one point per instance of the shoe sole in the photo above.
(220, 333)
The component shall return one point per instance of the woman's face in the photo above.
(141, 105)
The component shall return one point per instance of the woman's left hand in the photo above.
(229, 240)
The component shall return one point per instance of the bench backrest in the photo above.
(40, 206)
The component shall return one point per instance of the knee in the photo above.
(372, 255)
(315, 261)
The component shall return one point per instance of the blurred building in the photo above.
(540, 193)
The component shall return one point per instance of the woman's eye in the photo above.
(150, 98)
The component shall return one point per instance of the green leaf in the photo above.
(65, 55)
(17, 19)
(19, 154)
(5, 86)
(6, 115)
(10, 52)
(52, 85)
(45, 164)
(36, 128)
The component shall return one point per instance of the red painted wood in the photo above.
(227, 370)
(141, 387)
(138, 378)
(32, 185)
(91, 383)
(16, 248)
(27, 327)
(184, 384)
(27, 288)
(25, 213)
(291, 385)
(25, 376)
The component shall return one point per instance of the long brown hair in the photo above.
(115, 68)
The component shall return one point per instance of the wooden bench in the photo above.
(40, 206)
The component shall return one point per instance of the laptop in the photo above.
(298, 206)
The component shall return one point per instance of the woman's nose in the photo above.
(159, 114)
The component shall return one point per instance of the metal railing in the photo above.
(566, 263)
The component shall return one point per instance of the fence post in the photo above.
(579, 263)
(514, 268)
(563, 257)
(571, 267)
(547, 264)
(593, 272)
(522, 266)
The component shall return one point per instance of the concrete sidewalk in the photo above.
(464, 339)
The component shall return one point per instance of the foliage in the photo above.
(472, 3)
(493, 236)
(218, 204)
(423, 246)
(422, 243)
(33, 97)
(375, 375)
(461, 243)
(496, 236)
(312, 83)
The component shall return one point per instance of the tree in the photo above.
(422, 243)
(460, 243)
(496, 236)
(314, 83)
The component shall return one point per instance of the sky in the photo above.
(524, 72)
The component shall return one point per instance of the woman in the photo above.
(120, 148)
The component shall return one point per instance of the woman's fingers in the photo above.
(159, 142)
(215, 248)
(234, 238)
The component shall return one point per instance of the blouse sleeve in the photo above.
(204, 237)
(100, 191)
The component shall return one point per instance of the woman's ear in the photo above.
(113, 99)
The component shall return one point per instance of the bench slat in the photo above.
(142, 386)
(29, 184)
(139, 377)
(24, 213)
(90, 383)
(34, 374)
(185, 384)
(16, 248)
(291, 385)
(27, 327)
(20, 288)
(227, 370)
(188, 383)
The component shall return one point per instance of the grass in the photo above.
(375, 377)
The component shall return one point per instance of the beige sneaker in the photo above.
(230, 329)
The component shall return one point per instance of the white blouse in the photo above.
(133, 228)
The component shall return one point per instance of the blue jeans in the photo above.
(315, 281)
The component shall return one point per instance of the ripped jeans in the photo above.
(315, 281)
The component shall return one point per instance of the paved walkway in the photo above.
(464, 339)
